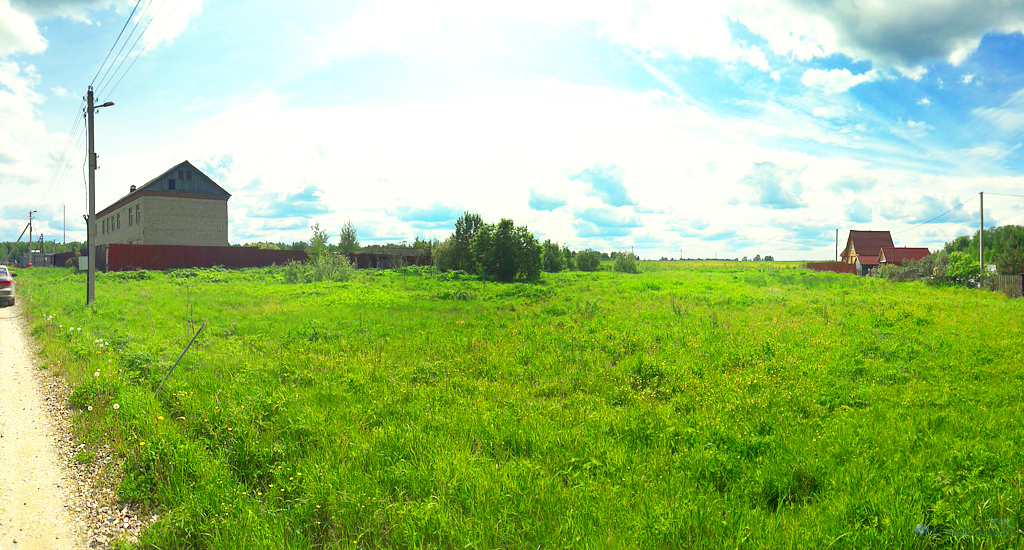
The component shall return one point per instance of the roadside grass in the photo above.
(746, 405)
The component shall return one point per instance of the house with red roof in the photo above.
(864, 247)
(900, 255)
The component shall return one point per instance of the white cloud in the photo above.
(1008, 117)
(18, 32)
(967, 78)
(836, 80)
(776, 76)
(169, 20)
(60, 92)
(924, 101)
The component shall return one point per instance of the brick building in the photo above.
(182, 206)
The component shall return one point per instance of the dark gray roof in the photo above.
(187, 179)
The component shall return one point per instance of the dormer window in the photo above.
(170, 184)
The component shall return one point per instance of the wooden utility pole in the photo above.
(90, 284)
(90, 112)
(981, 240)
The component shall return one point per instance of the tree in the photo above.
(552, 257)
(348, 243)
(567, 258)
(466, 228)
(588, 260)
(318, 240)
(506, 252)
(757, 257)
(769, 258)
(962, 269)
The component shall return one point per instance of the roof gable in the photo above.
(867, 243)
(185, 178)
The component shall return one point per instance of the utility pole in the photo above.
(981, 240)
(28, 263)
(90, 284)
(90, 112)
(65, 243)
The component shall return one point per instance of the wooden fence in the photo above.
(1011, 285)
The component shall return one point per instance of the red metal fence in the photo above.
(129, 257)
(834, 267)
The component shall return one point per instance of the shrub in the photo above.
(322, 267)
(962, 269)
(588, 260)
(625, 262)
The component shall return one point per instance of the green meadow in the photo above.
(694, 405)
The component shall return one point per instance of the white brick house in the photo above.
(181, 206)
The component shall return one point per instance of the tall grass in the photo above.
(703, 407)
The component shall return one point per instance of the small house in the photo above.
(864, 247)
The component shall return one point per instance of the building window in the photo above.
(104, 226)
(118, 220)
(179, 174)
(170, 184)
(188, 176)
(129, 217)
(137, 211)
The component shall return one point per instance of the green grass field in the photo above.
(695, 405)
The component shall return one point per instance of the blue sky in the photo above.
(669, 127)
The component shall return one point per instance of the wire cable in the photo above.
(129, 20)
(145, 46)
(937, 217)
(1004, 195)
(64, 154)
(105, 80)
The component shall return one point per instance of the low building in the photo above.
(900, 255)
(182, 206)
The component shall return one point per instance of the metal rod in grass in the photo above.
(157, 390)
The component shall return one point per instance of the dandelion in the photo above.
(142, 443)
(90, 407)
(116, 406)
(96, 374)
(160, 419)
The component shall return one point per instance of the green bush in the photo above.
(323, 267)
(625, 262)
(588, 260)
(507, 252)
(962, 269)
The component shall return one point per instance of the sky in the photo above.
(671, 128)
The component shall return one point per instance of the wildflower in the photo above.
(90, 407)
(116, 406)
(79, 329)
(160, 419)
(96, 374)
(142, 443)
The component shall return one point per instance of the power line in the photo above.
(936, 217)
(1006, 195)
(129, 20)
(63, 156)
(105, 80)
(146, 45)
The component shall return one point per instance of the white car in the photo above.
(6, 285)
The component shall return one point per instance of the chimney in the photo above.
(132, 190)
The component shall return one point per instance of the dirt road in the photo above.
(34, 498)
